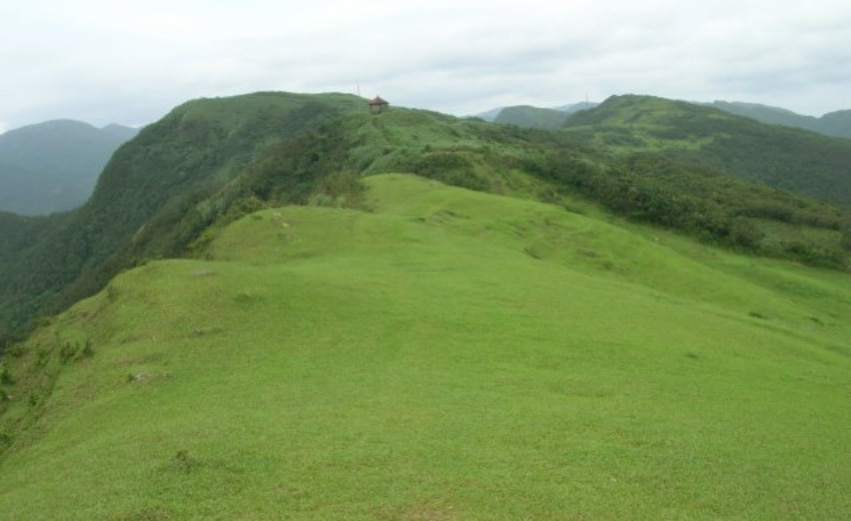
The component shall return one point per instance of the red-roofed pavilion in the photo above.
(378, 105)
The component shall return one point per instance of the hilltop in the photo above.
(53, 166)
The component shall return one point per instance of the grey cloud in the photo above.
(127, 62)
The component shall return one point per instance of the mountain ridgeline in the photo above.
(53, 166)
(210, 161)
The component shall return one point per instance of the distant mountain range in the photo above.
(785, 158)
(53, 166)
(836, 124)
(535, 117)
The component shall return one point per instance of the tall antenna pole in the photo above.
(359, 89)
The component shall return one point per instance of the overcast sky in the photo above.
(130, 62)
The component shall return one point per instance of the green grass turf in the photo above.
(451, 355)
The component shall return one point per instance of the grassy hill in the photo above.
(53, 166)
(447, 355)
(785, 158)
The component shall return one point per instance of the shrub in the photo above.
(6, 376)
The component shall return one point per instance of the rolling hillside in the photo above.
(448, 355)
(785, 158)
(53, 166)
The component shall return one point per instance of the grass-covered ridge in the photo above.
(447, 355)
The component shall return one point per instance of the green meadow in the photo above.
(444, 355)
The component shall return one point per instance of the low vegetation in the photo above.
(447, 354)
